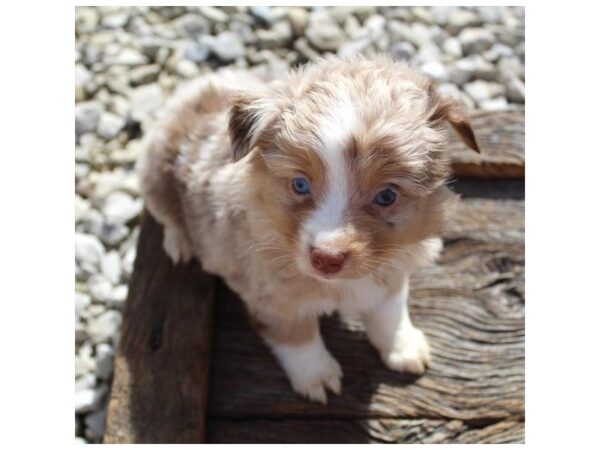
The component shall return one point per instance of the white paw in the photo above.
(176, 245)
(410, 352)
(313, 381)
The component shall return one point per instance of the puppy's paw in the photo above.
(410, 352)
(313, 381)
(176, 245)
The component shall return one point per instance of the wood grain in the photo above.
(331, 431)
(162, 364)
(501, 137)
(470, 305)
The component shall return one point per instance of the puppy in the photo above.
(317, 193)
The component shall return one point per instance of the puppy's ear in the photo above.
(249, 118)
(446, 108)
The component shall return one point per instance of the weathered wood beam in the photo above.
(159, 391)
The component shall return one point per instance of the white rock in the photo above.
(87, 115)
(89, 399)
(402, 51)
(450, 90)
(105, 327)
(323, 32)
(213, 14)
(227, 46)
(88, 249)
(198, 52)
(435, 70)
(461, 18)
(115, 21)
(87, 381)
(186, 68)
(423, 15)
(452, 47)
(144, 74)
(480, 90)
(145, 101)
(476, 40)
(280, 35)
(495, 104)
(515, 90)
(129, 57)
(192, 26)
(110, 265)
(82, 206)
(119, 208)
(110, 125)
(104, 361)
(474, 66)
(100, 288)
(96, 424)
(82, 301)
(84, 361)
(80, 440)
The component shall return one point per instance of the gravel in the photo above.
(130, 59)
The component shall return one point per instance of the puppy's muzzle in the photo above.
(327, 261)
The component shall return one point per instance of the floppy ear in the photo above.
(446, 108)
(249, 118)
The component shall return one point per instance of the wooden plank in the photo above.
(162, 364)
(501, 137)
(331, 431)
(470, 305)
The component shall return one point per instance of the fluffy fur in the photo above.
(217, 173)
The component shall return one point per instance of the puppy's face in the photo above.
(350, 162)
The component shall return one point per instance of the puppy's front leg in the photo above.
(402, 346)
(298, 346)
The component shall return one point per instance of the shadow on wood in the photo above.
(162, 364)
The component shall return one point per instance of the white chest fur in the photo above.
(361, 295)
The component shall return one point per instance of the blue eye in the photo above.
(385, 197)
(301, 185)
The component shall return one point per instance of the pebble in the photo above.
(298, 18)
(215, 15)
(145, 100)
(129, 57)
(198, 52)
(119, 208)
(186, 69)
(96, 424)
(476, 40)
(461, 18)
(87, 116)
(495, 104)
(452, 47)
(480, 90)
(324, 33)
(89, 399)
(88, 249)
(466, 69)
(192, 26)
(144, 74)
(227, 46)
(264, 14)
(105, 327)
(280, 35)
(110, 125)
(104, 361)
(435, 70)
(110, 265)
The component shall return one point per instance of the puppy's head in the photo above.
(349, 161)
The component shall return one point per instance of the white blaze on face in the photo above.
(326, 221)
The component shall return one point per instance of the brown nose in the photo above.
(327, 261)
